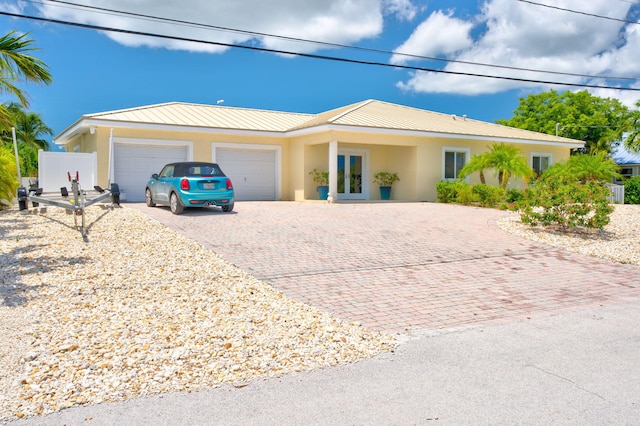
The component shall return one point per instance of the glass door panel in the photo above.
(351, 172)
(341, 173)
(355, 175)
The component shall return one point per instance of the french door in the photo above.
(353, 174)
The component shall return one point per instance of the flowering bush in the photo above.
(566, 202)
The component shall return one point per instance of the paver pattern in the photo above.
(403, 267)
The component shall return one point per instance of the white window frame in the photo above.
(456, 149)
(541, 154)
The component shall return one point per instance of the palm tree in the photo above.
(29, 127)
(587, 167)
(478, 163)
(17, 64)
(506, 160)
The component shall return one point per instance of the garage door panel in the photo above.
(134, 165)
(253, 172)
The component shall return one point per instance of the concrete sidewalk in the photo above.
(577, 367)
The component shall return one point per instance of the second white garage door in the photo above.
(134, 165)
(252, 171)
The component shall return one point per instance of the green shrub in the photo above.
(489, 196)
(632, 190)
(8, 177)
(566, 202)
(466, 195)
(513, 195)
(448, 191)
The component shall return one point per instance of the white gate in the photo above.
(54, 166)
(617, 193)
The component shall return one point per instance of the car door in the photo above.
(163, 183)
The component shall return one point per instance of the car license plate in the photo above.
(209, 185)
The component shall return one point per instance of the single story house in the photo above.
(628, 161)
(269, 154)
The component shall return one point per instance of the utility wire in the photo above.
(579, 12)
(322, 43)
(308, 55)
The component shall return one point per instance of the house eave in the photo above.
(85, 125)
(428, 134)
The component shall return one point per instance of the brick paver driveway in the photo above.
(400, 267)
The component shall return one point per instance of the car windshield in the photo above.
(198, 170)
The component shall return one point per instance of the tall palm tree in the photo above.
(16, 64)
(29, 126)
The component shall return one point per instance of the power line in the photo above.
(322, 43)
(593, 15)
(308, 55)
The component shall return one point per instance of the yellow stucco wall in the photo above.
(418, 160)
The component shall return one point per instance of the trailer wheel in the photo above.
(115, 194)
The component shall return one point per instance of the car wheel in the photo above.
(176, 207)
(148, 199)
(228, 208)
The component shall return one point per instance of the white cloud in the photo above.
(438, 34)
(13, 7)
(523, 35)
(403, 9)
(333, 21)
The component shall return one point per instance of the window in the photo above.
(626, 172)
(453, 160)
(540, 162)
(167, 171)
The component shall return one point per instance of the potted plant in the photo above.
(322, 180)
(385, 180)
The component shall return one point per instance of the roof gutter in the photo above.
(422, 133)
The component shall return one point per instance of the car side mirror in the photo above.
(154, 176)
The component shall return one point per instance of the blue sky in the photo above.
(96, 71)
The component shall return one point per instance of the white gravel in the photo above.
(619, 241)
(138, 309)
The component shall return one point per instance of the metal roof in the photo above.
(370, 115)
(210, 116)
(383, 115)
(623, 156)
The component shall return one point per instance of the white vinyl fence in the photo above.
(54, 166)
(617, 193)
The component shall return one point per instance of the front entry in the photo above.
(353, 171)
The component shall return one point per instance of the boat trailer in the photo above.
(76, 204)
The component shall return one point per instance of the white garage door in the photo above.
(252, 171)
(134, 165)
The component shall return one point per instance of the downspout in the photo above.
(110, 171)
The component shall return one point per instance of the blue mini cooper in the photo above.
(190, 184)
